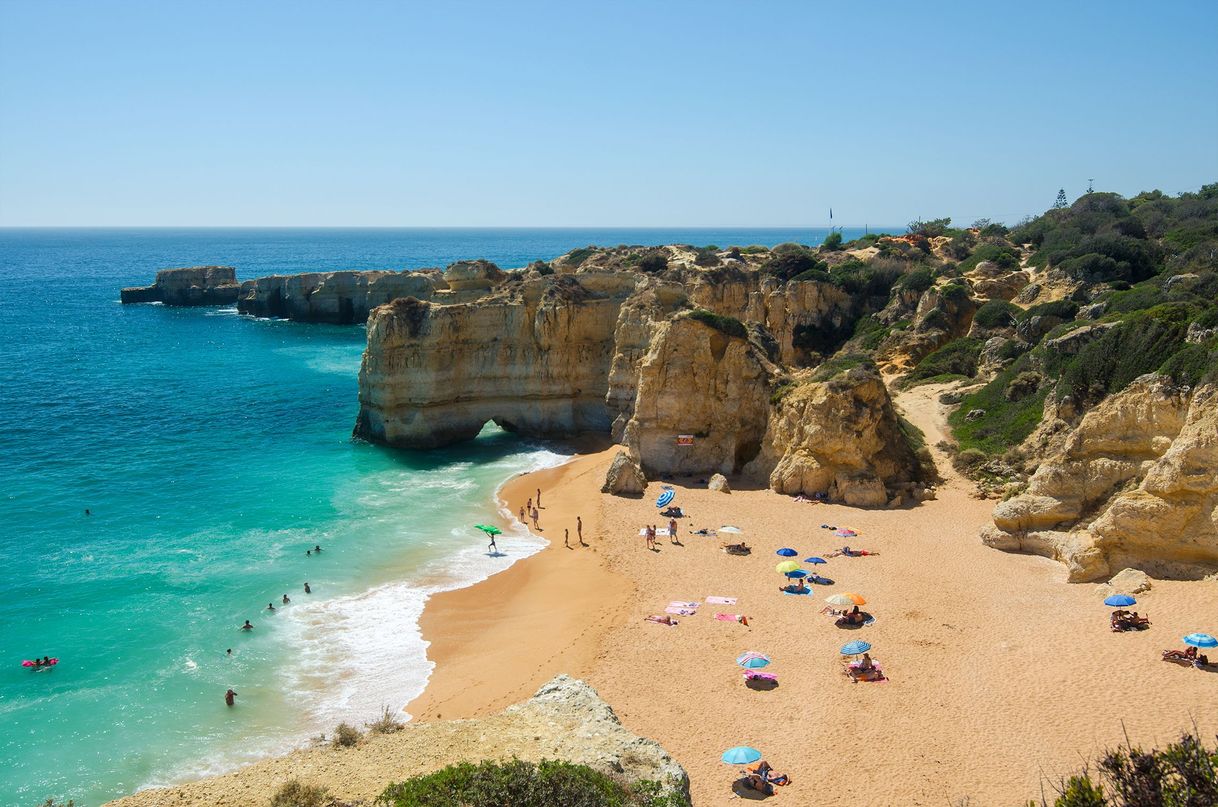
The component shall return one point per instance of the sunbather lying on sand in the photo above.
(797, 587)
(1189, 656)
(855, 617)
(737, 549)
(851, 553)
(1124, 620)
(664, 619)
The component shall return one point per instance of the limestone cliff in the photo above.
(338, 297)
(1135, 484)
(189, 286)
(840, 437)
(534, 358)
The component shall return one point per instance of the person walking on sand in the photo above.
(528, 506)
(672, 530)
(535, 515)
(307, 589)
(579, 530)
(230, 697)
(522, 514)
(539, 498)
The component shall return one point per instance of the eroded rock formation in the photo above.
(647, 357)
(338, 297)
(1135, 484)
(192, 285)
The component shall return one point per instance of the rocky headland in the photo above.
(189, 286)
(564, 720)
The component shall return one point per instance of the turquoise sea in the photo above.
(212, 450)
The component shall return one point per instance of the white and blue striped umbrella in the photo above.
(1201, 640)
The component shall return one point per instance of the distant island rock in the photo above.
(189, 286)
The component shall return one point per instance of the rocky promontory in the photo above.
(189, 286)
(565, 720)
(685, 357)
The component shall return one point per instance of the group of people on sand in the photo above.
(651, 531)
(1128, 620)
(532, 512)
(1189, 656)
(762, 778)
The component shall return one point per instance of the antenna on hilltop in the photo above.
(1089, 188)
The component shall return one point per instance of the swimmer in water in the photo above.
(270, 606)
(229, 697)
(247, 626)
(286, 600)
(317, 549)
(230, 652)
(307, 589)
(87, 513)
(309, 552)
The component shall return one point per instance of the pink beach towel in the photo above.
(721, 600)
(728, 617)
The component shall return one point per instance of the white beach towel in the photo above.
(721, 600)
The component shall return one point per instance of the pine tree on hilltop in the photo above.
(1061, 200)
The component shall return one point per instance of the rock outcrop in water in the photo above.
(1135, 484)
(337, 297)
(662, 360)
(190, 286)
(565, 720)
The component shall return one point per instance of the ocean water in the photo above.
(212, 450)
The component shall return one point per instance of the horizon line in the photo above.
(431, 226)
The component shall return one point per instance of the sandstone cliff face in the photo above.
(1135, 484)
(839, 437)
(190, 286)
(534, 359)
(338, 297)
(696, 380)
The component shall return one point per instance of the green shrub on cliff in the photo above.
(996, 314)
(525, 784)
(789, 260)
(956, 358)
(726, 325)
(294, 793)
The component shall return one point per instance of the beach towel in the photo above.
(721, 600)
(728, 617)
(681, 604)
(681, 611)
(797, 593)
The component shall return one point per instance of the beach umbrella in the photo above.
(488, 529)
(815, 560)
(1201, 640)
(665, 497)
(787, 552)
(1120, 600)
(728, 528)
(741, 755)
(845, 600)
(855, 648)
(795, 574)
(845, 533)
(753, 660)
(786, 566)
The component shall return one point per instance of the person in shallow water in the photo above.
(270, 606)
(247, 626)
(229, 652)
(230, 697)
(317, 549)
(307, 589)
(492, 546)
(286, 599)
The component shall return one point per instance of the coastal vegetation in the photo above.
(295, 793)
(526, 784)
(1184, 774)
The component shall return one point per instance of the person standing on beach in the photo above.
(528, 507)
(539, 497)
(672, 530)
(579, 530)
(522, 514)
(535, 517)
(566, 538)
(230, 697)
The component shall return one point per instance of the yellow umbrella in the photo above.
(787, 566)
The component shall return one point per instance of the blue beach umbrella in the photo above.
(815, 560)
(855, 648)
(1120, 600)
(787, 552)
(1201, 640)
(741, 755)
(796, 574)
(666, 497)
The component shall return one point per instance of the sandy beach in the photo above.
(1002, 676)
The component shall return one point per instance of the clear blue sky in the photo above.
(656, 113)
